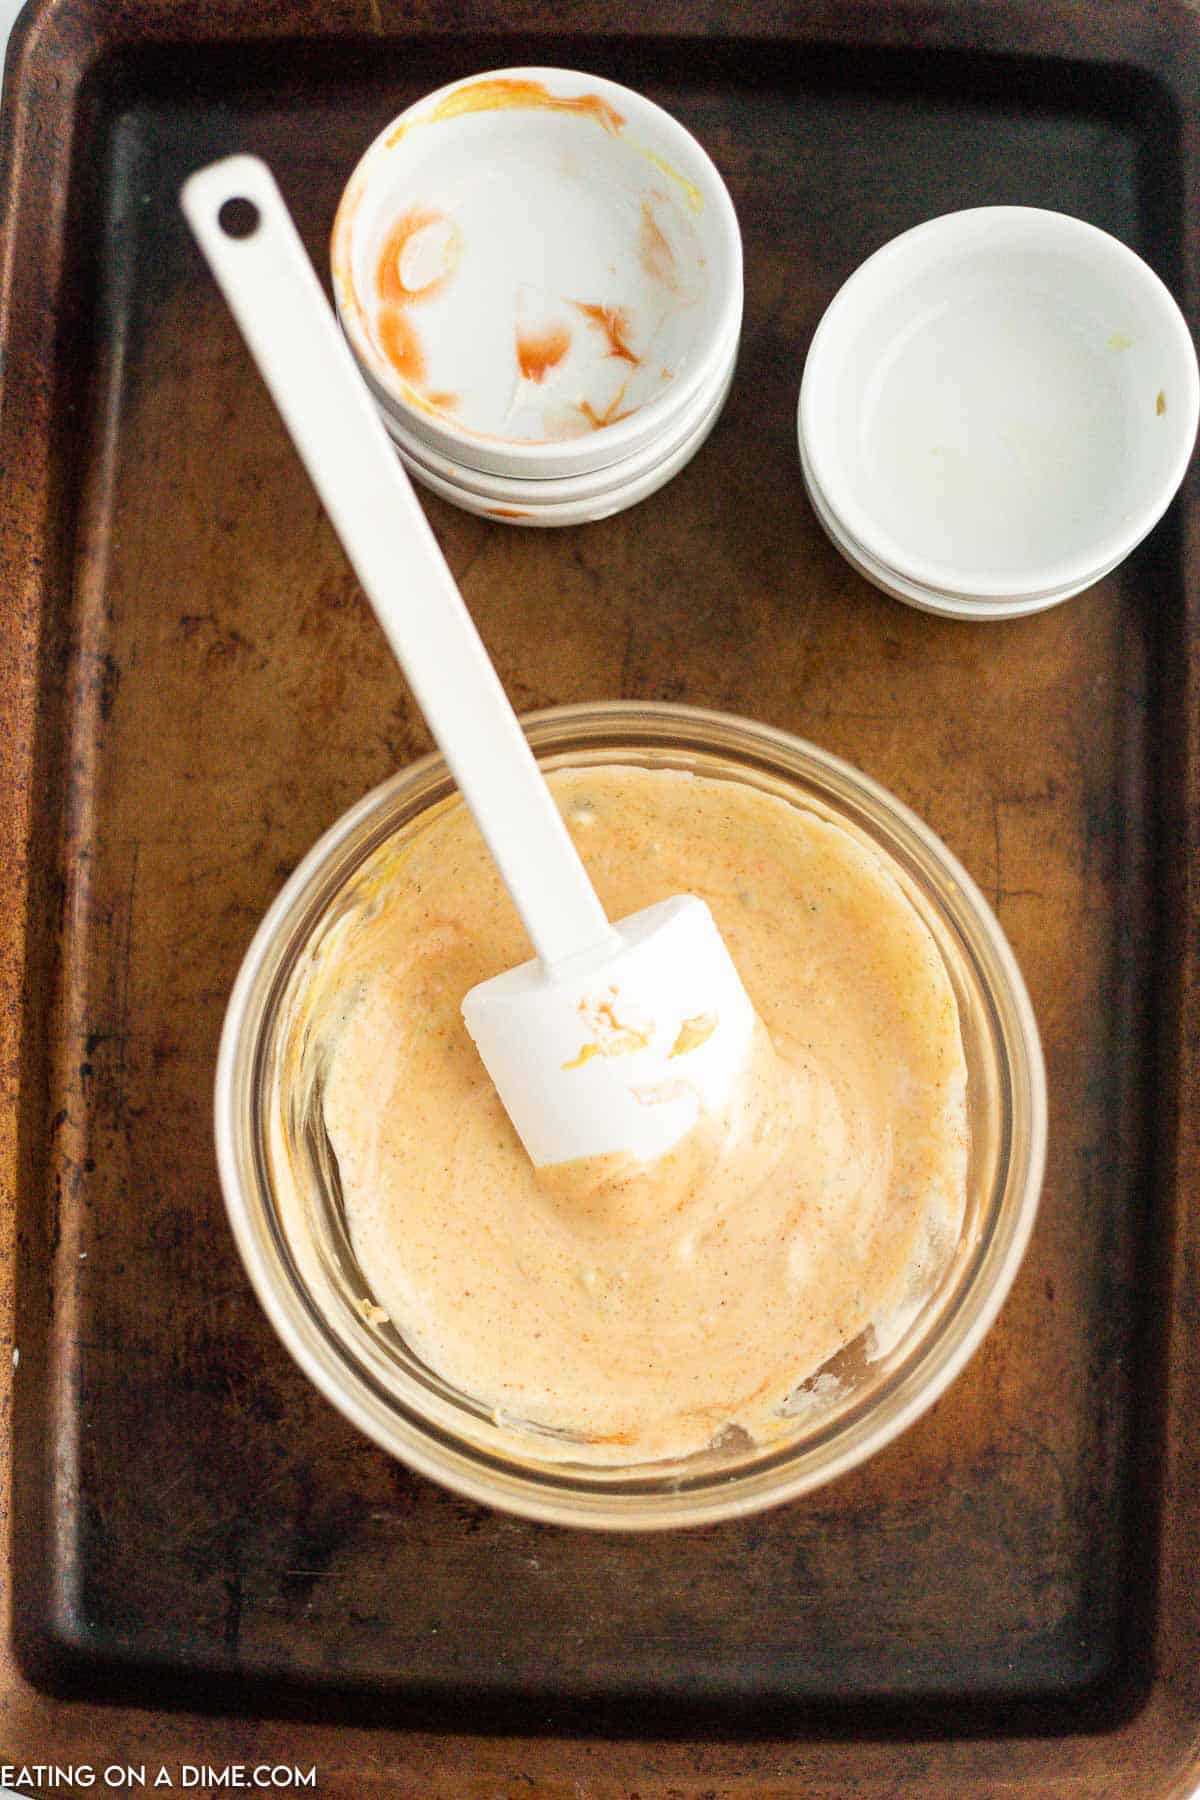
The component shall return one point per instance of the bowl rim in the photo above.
(610, 443)
(592, 484)
(590, 507)
(931, 600)
(969, 228)
(548, 1496)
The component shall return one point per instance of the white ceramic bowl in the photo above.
(586, 510)
(508, 490)
(300, 1261)
(998, 406)
(949, 606)
(537, 271)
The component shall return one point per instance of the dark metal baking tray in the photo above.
(195, 688)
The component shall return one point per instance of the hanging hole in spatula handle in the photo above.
(239, 217)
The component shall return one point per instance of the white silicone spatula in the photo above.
(615, 1037)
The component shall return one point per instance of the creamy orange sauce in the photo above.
(639, 1311)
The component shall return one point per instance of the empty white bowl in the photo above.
(950, 606)
(540, 275)
(996, 408)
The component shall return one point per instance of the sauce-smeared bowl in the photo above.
(293, 1236)
(538, 271)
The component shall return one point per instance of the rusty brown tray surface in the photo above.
(195, 688)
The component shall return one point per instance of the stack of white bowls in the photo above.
(540, 275)
(996, 408)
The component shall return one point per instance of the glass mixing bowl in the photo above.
(298, 1254)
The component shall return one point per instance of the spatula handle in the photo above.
(273, 292)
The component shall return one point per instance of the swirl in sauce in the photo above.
(642, 1310)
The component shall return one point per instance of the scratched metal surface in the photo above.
(223, 694)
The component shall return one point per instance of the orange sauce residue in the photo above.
(433, 404)
(614, 323)
(539, 351)
(508, 512)
(611, 415)
(388, 282)
(654, 252)
(505, 93)
(397, 337)
(339, 248)
(400, 344)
